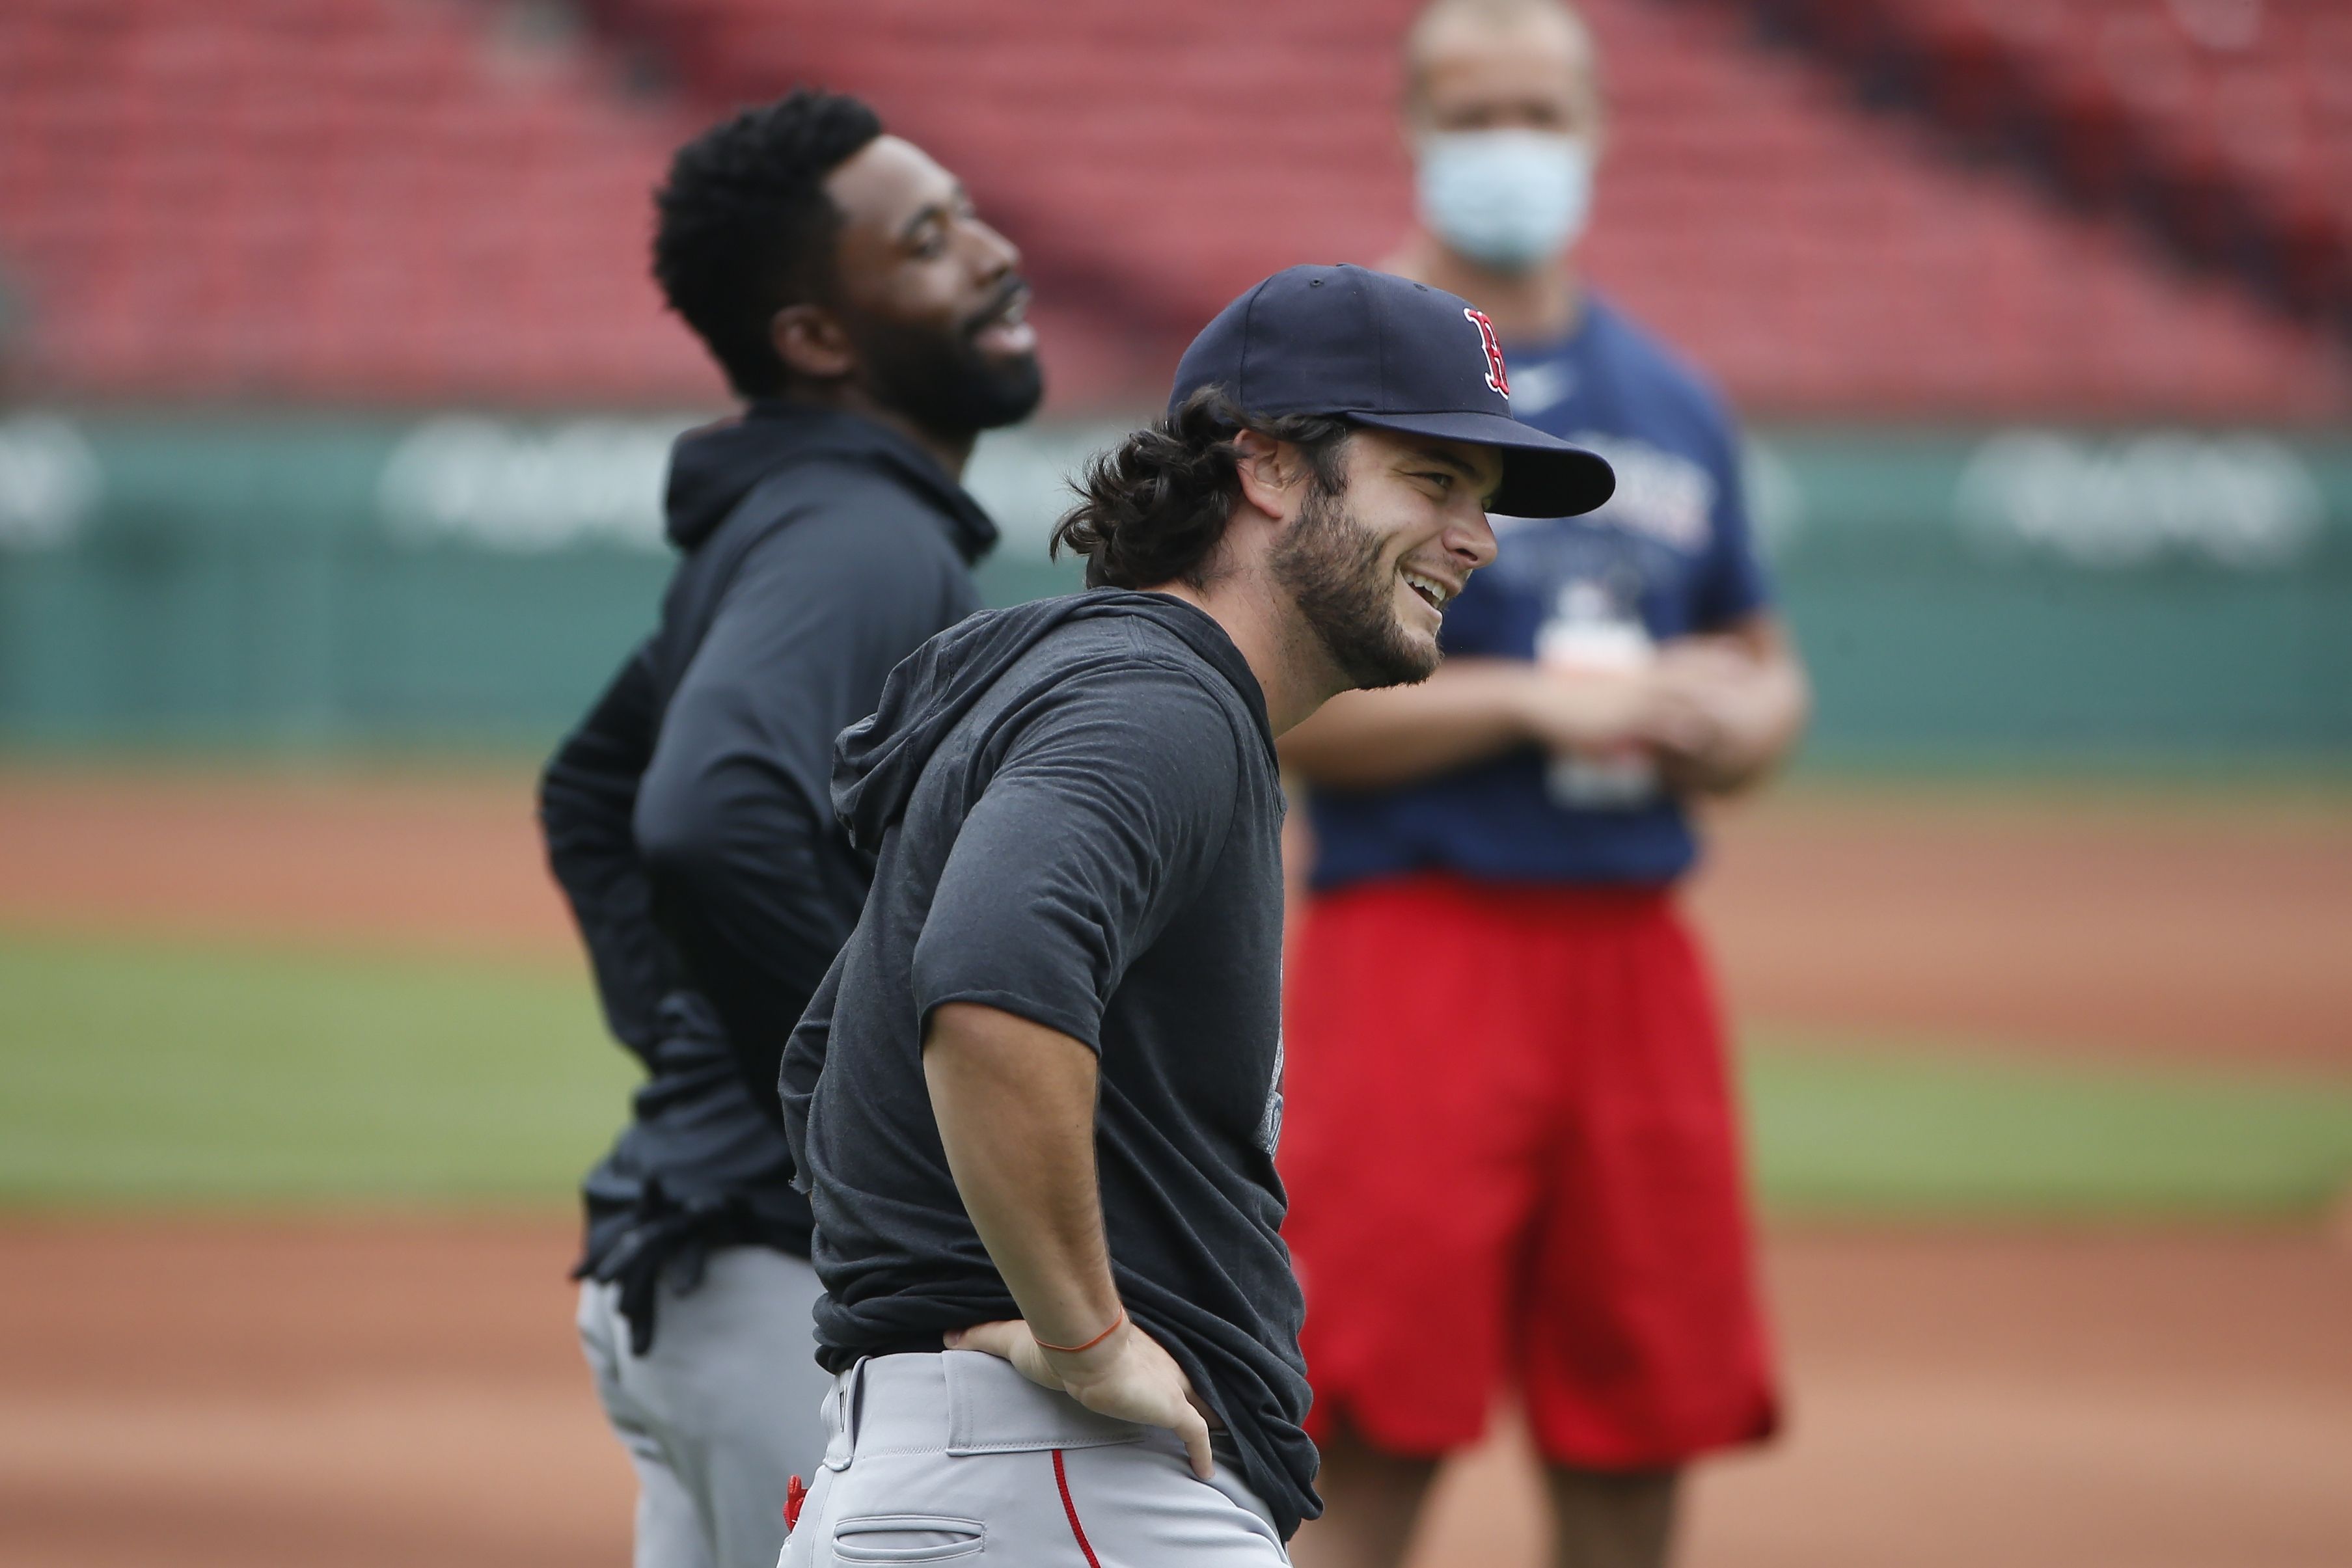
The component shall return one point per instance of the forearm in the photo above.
(1471, 709)
(589, 789)
(752, 900)
(1015, 1106)
(586, 797)
(1781, 705)
(1759, 720)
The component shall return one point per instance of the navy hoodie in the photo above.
(1078, 818)
(687, 819)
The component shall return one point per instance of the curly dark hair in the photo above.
(744, 227)
(1152, 508)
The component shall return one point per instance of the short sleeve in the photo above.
(1105, 815)
(1732, 584)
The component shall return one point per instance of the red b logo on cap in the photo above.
(1496, 377)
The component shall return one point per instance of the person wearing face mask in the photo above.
(1512, 1155)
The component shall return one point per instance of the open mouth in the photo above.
(1434, 592)
(1005, 329)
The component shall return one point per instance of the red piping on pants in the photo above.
(1070, 1511)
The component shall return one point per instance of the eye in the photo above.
(1441, 479)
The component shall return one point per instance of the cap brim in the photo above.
(1543, 476)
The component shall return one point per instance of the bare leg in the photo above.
(1612, 1520)
(1370, 1501)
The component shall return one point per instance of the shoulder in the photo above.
(843, 501)
(1668, 381)
(1136, 688)
(1164, 650)
(836, 527)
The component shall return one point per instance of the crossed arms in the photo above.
(1718, 712)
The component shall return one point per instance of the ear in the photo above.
(811, 342)
(1271, 478)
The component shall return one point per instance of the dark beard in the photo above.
(1330, 564)
(944, 384)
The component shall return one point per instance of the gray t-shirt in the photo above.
(1078, 818)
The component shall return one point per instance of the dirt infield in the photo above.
(366, 1394)
(380, 1394)
(434, 861)
(2201, 926)
(2194, 927)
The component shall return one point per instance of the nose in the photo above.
(998, 255)
(1471, 541)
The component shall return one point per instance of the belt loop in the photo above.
(854, 1406)
(843, 1405)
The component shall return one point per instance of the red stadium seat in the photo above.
(391, 200)
(322, 198)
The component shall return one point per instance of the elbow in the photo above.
(577, 828)
(714, 829)
(558, 789)
(681, 837)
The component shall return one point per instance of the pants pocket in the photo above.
(908, 1538)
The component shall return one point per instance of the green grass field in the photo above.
(150, 1074)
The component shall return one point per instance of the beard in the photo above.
(943, 381)
(1330, 564)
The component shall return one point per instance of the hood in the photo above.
(877, 760)
(714, 467)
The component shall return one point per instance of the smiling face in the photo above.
(1373, 567)
(930, 296)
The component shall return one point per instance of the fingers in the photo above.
(1136, 1389)
(1008, 1340)
(1195, 1433)
(1721, 658)
(999, 1339)
(1679, 720)
(1686, 734)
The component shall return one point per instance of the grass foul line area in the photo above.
(146, 1074)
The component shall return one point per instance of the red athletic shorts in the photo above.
(1512, 1158)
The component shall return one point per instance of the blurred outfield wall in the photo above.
(2004, 596)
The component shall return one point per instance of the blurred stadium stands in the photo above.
(422, 201)
(2224, 125)
(341, 395)
(354, 200)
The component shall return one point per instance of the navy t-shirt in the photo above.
(1669, 556)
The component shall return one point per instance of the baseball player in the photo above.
(1512, 1155)
(873, 326)
(1036, 1100)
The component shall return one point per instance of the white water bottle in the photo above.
(1590, 633)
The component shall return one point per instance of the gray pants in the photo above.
(725, 1407)
(939, 1458)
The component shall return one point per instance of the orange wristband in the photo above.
(1074, 1349)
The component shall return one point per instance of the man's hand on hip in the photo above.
(1127, 1376)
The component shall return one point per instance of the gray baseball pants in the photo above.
(956, 1458)
(726, 1407)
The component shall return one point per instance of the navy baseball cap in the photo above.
(1378, 350)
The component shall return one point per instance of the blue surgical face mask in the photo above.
(1509, 200)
